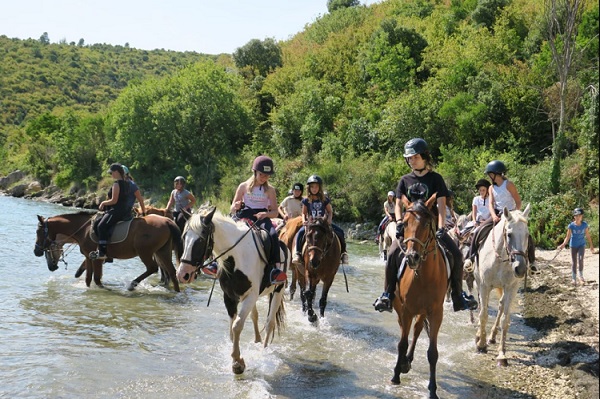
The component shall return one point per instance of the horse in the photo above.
(388, 236)
(421, 288)
(502, 263)
(151, 210)
(152, 238)
(241, 272)
(287, 235)
(461, 234)
(321, 258)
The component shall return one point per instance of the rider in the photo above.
(291, 206)
(503, 193)
(116, 208)
(451, 216)
(317, 204)
(255, 200)
(390, 216)
(480, 212)
(422, 183)
(183, 201)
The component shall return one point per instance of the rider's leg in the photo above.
(340, 234)
(276, 275)
(460, 299)
(384, 302)
(103, 230)
(299, 245)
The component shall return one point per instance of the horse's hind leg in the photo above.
(324, 293)
(97, 272)
(254, 317)
(151, 268)
(165, 260)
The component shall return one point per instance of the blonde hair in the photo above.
(251, 183)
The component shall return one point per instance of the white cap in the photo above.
(391, 193)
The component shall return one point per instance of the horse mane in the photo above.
(195, 222)
(420, 207)
(518, 215)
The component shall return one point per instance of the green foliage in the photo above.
(262, 57)
(549, 219)
(334, 5)
(486, 12)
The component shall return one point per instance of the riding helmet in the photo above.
(482, 183)
(298, 186)
(314, 179)
(116, 167)
(125, 169)
(414, 147)
(496, 167)
(391, 193)
(179, 178)
(263, 164)
(577, 211)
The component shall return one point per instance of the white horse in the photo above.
(242, 260)
(388, 236)
(501, 265)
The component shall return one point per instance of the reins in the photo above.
(510, 252)
(56, 243)
(424, 245)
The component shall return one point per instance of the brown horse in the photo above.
(152, 238)
(421, 289)
(287, 235)
(321, 262)
(151, 210)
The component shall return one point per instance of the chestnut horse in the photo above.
(151, 210)
(241, 269)
(421, 288)
(152, 238)
(287, 234)
(321, 262)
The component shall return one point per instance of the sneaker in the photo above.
(278, 276)
(468, 266)
(297, 258)
(383, 303)
(97, 255)
(467, 302)
(211, 269)
(345, 258)
(109, 260)
(581, 280)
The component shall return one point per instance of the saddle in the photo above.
(264, 238)
(118, 232)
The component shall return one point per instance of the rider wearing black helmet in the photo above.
(183, 200)
(317, 204)
(256, 200)
(291, 206)
(421, 184)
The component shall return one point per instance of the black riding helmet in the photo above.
(496, 167)
(482, 183)
(577, 211)
(298, 186)
(415, 146)
(315, 179)
(263, 164)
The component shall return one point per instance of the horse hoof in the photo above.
(502, 363)
(395, 381)
(239, 366)
(491, 341)
(312, 318)
(405, 368)
(482, 350)
(132, 286)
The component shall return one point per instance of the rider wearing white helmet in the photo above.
(389, 208)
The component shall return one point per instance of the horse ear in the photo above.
(506, 212)
(210, 214)
(527, 210)
(431, 201)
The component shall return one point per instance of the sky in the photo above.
(211, 27)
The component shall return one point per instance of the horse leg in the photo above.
(419, 322)
(151, 268)
(494, 330)
(81, 269)
(293, 282)
(165, 260)
(254, 317)
(480, 337)
(507, 298)
(470, 279)
(97, 272)
(238, 365)
(323, 300)
(402, 364)
(310, 295)
(435, 322)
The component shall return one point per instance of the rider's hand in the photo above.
(440, 233)
(400, 230)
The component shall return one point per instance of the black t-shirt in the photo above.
(415, 187)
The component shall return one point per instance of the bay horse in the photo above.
(502, 263)
(152, 210)
(388, 236)
(321, 258)
(241, 272)
(421, 288)
(287, 235)
(152, 238)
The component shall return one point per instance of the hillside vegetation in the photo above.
(477, 79)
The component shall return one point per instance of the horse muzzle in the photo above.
(38, 250)
(186, 272)
(519, 267)
(413, 259)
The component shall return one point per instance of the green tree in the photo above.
(261, 57)
(333, 5)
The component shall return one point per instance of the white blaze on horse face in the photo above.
(185, 271)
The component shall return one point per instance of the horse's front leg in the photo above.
(246, 306)
(310, 296)
(402, 364)
(324, 293)
(97, 273)
(435, 322)
(254, 317)
(507, 299)
(419, 322)
(496, 325)
(293, 282)
(480, 337)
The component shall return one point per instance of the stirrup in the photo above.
(383, 303)
(97, 255)
(211, 269)
(277, 276)
(468, 266)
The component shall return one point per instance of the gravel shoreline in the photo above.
(560, 359)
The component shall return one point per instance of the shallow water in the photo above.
(61, 339)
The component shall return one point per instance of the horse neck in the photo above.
(227, 234)
(74, 226)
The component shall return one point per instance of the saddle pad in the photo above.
(119, 233)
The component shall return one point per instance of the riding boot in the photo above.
(384, 302)
(100, 253)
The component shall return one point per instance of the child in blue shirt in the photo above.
(577, 232)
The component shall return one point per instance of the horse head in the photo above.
(319, 236)
(197, 243)
(516, 236)
(419, 231)
(45, 244)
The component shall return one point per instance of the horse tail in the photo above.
(279, 317)
(175, 238)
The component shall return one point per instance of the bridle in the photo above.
(510, 251)
(49, 246)
(323, 251)
(426, 247)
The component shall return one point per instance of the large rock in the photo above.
(11, 179)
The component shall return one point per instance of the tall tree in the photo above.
(333, 5)
(261, 57)
(563, 18)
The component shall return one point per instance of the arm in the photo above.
(304, 214)
(589, 238)
(272, 212)
(441, 204)
(474, 213)
(566, 241)
(171, 201)
(512, 189)
(491, 204)
(329, 210)
(113, 200)
(398, 209)
(282, 209)
(236, 204)
(192, 200)
(140, 199)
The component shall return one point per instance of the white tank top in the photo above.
(257, 199)
(503, 198)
